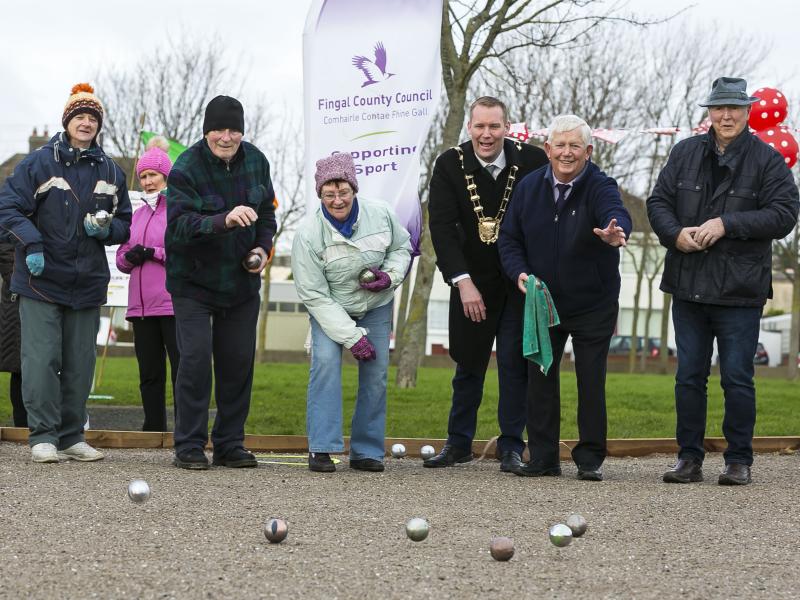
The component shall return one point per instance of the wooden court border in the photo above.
(299, 443)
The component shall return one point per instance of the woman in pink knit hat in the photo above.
(149, 302)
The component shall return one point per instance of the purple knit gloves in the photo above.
(382, 281)
(363, 350)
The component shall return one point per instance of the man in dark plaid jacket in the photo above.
(219, 211)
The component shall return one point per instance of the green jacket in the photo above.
(204, 259)
(325, 266)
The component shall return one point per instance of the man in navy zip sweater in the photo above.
(565, 225)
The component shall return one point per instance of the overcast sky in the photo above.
(49, 45)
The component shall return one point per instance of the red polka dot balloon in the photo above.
(770, 110)
(783, 141)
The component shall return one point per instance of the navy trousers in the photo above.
(736, 329)
(229, 336)
(512, 373)
(591, 333)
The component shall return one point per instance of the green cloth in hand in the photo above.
(540, 314)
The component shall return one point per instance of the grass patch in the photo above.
(639, 406)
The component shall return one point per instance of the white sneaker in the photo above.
(83, 452)
(44, 453)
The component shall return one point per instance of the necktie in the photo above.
(562, 196)
(493, 169)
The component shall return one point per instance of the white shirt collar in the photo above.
(499, 162)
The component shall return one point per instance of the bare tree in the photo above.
(657, 257)
(285, 154)
(472, 33)
(539, 86)
(167, 90)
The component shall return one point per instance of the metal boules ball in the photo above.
(276, 530)
(138, 491)
(417, 529)
(501, 548)
(577, 524)
(102, 218)
(560, 535)
(398, 450)
(427, 451)
(252, 261)
(366, 276)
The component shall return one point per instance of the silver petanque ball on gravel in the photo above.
(138, 491)
(276, 530)
(398, 450)
(366, 276)
(560, 535)
(252, 261)
(501, 548)
(417, 529)
(427, 451)
(577, 524)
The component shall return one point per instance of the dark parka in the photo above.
(42, 207)
(757, 200)
(454, 233)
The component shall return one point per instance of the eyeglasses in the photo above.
(342, 195)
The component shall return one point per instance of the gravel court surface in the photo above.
(68, 530)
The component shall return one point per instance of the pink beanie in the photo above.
(336, 166)
(156, 160)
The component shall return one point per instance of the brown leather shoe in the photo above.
(686, 470)
(735, 474)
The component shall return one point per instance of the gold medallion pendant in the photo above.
(488, 228)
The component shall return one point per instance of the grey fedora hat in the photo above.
(729, 91)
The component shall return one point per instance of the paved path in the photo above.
(68, 530)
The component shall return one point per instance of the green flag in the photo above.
(175, 148)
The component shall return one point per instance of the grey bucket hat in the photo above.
(729, 91)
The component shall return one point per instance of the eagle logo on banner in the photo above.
(374, 70)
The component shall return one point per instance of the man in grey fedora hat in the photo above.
(717, 205)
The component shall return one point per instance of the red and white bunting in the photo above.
(612, 136)
(661, 130)
(520, 131)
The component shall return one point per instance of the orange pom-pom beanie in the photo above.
(83, 100)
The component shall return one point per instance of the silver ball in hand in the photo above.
(366, 276)
(252, 261)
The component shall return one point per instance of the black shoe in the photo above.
(533, 469)
(193, 458)
(236, 458)
(510, 461)
(587, 474)
(449, 456)
(366, 464)
(321, 462)
(686, 470)
(735, 474)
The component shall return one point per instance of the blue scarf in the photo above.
(344, 227)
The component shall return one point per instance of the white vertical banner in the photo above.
(372, 76)
(117, 294)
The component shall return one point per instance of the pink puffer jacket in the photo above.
(147, 292)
